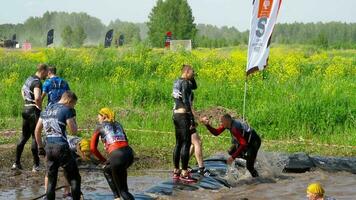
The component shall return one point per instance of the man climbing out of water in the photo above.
(54, 121)
(31, 93)
(197, 146)
(316, 192)
(54, 86)
(248, 142)
(120, 153)
(184, 123)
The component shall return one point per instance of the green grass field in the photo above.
(305, 94)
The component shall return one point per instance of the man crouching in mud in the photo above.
(54, 121)
(247, 142)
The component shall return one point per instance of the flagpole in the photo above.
(244, 103)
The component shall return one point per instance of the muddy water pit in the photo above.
(273, 184)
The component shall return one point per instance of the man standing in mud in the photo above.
(54, 121)
(184, 122)
(31, 93)
(247, 140)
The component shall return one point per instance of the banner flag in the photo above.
(264, 17)
(108, 38)
(50, 37)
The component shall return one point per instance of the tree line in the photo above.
(76, 29)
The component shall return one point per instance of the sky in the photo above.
(216, 12)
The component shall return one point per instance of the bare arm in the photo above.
(43, 95)
(38, 98)
(38, 132)
(72, 125)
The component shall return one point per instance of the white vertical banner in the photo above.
(264, 17)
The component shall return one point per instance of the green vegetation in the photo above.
(304, 94)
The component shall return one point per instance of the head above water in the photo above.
(84, 148)
(69, 98)
(187, 72)
(226, 120)
(106, 114)
(315, 191)
(42, 71)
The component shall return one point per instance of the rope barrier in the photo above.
(266, 141)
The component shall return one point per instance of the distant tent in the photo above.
(108, 38)
(50, 37)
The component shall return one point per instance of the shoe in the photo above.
(67, 196)
(36, 168)
(176, 175)
(205, 172)
(187, 179)
(16, 166)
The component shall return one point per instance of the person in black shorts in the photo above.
(184, 123)
(54, 121)
(31, 92)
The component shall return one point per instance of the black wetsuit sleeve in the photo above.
(186, 92)
(194, 85)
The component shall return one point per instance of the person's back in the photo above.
(54, 121)
(112, 135)
(246, 131)
(55, 87)
(28, 89)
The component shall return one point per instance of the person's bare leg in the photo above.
(46, 182)
(66, 187)
(198, 150)
(192, 149)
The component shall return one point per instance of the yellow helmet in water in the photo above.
(108, 113)
(316, 188)
(85, 145)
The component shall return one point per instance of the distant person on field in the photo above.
(316, 192)
(247, 141)
(54, 86)
(31, 93)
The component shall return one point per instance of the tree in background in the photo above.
(79, 36)
(171, 15)
(67, 36)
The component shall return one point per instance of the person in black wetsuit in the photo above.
(183, 122)
(31, 93)
(120, 153)
(246, 140)
(54, 121)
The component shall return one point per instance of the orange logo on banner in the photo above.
(265, 8)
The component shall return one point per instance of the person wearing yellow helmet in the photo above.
(120, 153)
(316, 192)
